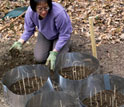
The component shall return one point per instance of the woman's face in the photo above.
(42, 9)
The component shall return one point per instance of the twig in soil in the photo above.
(35, 76)
(20, 87)
(114, 91)
(83, 70)
(80, 73)
(24, 84)
(32, 84)
(97, 104)
(28, 79)
(73, 70)
(15, 88)
(76, 72)
(112, 102)
(38, 85)
(61, 103)
(95, 95)
(101, 97)
(90, 99)
(65, 74)
(73, 75)
(28, 83)
(41, 81)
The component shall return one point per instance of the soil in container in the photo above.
(27, 85)
(76, 72)
(106, 98)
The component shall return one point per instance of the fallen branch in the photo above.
(12, 21)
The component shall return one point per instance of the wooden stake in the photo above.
(28, 79)
(35, 76)
(90, 99)
(61, 103)
(32, 84)
(114, 92)
(20, 87)
(95, 95)
(14, 87)
(41, 81)
(38, 85)
(112, 101)
(83, 70)
(101, 97)
(93, 42)
(24, 84)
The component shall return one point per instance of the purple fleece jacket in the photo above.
(56, 24)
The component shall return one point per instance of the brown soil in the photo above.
(109, 55)
(27, 85)
(106, 98)
(76, 72)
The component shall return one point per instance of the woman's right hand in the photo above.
(16, 45)
(15, 48)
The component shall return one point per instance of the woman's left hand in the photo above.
(51, 59)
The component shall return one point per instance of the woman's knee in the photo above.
(39, 58)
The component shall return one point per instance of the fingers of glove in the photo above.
(13, 46)
(52, 67)
(47, 62)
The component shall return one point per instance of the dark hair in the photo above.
(33, 4)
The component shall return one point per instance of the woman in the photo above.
(54, 28)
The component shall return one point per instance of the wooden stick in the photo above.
(110, 101)
(93, 42)
(12, 21)
(23, 81)
(20, 87)
(101, 97)
(61, 103)
(90, 99)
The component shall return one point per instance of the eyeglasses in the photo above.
(40, 9)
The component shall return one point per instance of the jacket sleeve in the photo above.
(29, 26)
(63, 25)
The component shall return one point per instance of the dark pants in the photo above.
(44, 46)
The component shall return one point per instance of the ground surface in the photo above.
(111, 57)
(110, 53)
